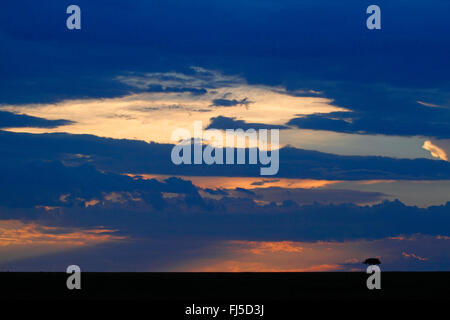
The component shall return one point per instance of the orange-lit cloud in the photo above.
(435, 150)
(153, 116)
(268, 256)
(295, 256)
(20, 240)
(414, 256)
(14, 232)
(260, 247)
(369, 182)
(239, 266)
(214, 182)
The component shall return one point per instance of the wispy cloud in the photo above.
(20, 240)
(432, 105)
(414, 256)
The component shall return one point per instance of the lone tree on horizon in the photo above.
(372, 261)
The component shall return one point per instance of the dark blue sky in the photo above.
(393, 82)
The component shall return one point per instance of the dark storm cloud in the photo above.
(383, 110)
(128, 156)
(142, 255)
(146, 212)
(263, 182)
(142, 210)
(12, 120)
(50, 183)
(302, 196)
(27, 184)
(238, 218)
(312, 45)
(245, 191)
(193, 91)
(216, 191)
(224, 123)
(301, 45)
(230, 102)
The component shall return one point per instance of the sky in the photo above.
(87, 119)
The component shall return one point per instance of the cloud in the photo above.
(224, 123)
(21, 240)
(414, 256)
(216, 191)
(49, 72)
(230, 103)
(302, 64)
(174, 106)
(161, 88)
(245, 191)
(12, 120)
(196, 82)
(431, 105)
(260, 247)
(283, 256)
(435, 150)
(433, 122)
(263, 182)
(128, 156)
(52, 184)
(176, 99)
(335, 121)
(17, 233)
(309, 196)
(257, 266)
(178, 254)
(214, 182)
(244, 219)
(81, 194)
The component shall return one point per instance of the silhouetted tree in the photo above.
(372, 261)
